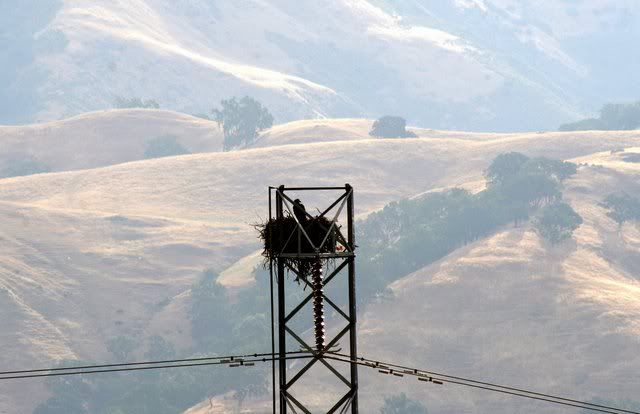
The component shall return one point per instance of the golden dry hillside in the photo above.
(349, 129)
(231, 187)
(511, 309)
(91, 254)
(98, 139)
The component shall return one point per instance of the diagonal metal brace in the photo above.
(343, 400)
(316, 357)
(290, 399)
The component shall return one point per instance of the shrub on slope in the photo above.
(22, 165)
(622, 207)
(400, 404)
(218, 325)
(164, 146)
(557, 222)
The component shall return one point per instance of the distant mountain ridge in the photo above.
(458, 64)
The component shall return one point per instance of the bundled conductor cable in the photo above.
(440, 379)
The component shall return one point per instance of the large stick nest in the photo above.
(283, 235)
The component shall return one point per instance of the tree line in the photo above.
(409, 234)
(612, 117)
(219, 326)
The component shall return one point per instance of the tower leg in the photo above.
(282, 373)
(282, 347)
(353, 334)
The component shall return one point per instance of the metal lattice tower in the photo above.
(317, 241)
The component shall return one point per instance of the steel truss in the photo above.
(343, 259)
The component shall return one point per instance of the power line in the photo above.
(251, 359)
(450, 377)
(230, 360)
(438, 378)
(124, 364)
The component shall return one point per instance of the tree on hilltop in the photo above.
(241, 120)
(391, 127)
(126, 103)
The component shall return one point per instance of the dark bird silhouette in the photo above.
(299, 210)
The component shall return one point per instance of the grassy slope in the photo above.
(98, 139)
(70, 281)
(230, 187)
(80, 254)
(511, 309)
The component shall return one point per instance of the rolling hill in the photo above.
(92, 254)
(104, 138)
(512, 309)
